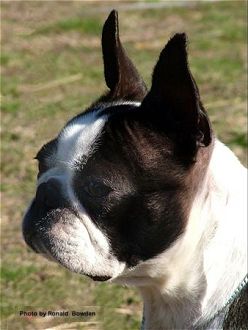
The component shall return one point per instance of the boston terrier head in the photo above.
(116, 186)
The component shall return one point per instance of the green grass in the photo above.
(16, 273)
(47, 44)
(85, 26)
(11, 107)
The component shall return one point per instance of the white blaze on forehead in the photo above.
(77, 139)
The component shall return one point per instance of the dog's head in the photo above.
(115, 187)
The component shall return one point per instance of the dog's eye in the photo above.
(97, 189)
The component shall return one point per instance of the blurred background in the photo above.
(51, 70)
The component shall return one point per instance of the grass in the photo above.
(51, 70)
(86, 26)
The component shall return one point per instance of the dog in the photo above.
(138, 190)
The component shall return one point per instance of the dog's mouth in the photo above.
(61, 237)
(99, 278)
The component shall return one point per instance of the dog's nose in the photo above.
(49, 195)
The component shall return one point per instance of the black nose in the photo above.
(49, 195)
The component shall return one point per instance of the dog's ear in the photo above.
(174, 101)
(121, 76)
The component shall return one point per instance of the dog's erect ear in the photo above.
(121, 76)
(174, 99)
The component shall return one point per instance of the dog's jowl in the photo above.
(138, 190)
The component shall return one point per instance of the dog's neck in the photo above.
(190, 282)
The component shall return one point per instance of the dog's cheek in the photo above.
(142, 227)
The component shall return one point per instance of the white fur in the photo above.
(184, 286)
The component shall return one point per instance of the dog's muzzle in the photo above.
(53, 228)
